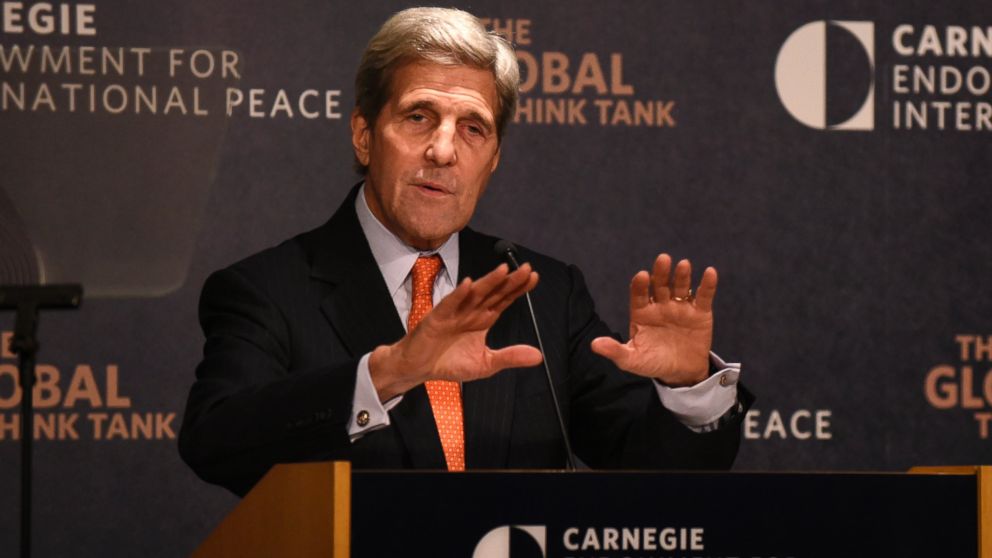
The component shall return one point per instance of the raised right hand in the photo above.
(450, 341)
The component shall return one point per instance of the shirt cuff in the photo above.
(367, 412)
(700, 406)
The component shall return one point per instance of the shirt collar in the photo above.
(395, 258)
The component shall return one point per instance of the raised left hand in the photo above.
(671, 331)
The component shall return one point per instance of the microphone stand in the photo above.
(507, 250)
(569, 456)
(27, 300)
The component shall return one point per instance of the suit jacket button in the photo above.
(363, 418)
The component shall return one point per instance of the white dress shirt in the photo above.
(699, 407)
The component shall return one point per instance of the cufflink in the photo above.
(362, 418)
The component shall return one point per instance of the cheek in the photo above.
(392, 154)
(468, 203)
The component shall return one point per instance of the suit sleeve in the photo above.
(617, 420)
(249, 409)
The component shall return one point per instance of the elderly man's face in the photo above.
(431, 152)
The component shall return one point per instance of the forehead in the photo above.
(446, 84)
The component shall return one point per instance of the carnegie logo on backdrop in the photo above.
(801, 76)
(588, 89)
(828, 75)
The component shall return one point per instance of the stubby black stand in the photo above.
(27, 301)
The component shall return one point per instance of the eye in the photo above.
(475, 130)
(417, 117)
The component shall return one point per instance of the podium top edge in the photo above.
(915, 471)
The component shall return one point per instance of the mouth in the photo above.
(432, 188)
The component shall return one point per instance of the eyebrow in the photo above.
(426, 104)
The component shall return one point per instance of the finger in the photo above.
(484, 286)
(683, 279)
(660, 276)
(526, 287)
(514, 356)
(639, 297)
(513, 282)
(707, 290)
(453, 301)
(612, 349)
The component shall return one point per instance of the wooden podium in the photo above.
(325, 509)
(300, 509)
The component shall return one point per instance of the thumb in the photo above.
(611, 349)
(515, 356)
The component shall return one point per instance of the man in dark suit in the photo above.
(306, 356)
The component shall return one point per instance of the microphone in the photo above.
(506, 250)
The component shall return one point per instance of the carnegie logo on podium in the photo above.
(516, 541)
(525, 541)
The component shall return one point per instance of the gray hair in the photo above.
(442, 36)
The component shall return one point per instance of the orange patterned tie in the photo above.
(445, 396)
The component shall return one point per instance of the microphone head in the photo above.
(506, 250)
(503, 246)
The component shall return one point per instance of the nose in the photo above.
(441, 150)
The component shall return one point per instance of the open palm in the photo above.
(450, 341)
(671, 331)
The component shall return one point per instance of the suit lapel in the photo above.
(358, 304)
(488, 404)
(361, 311)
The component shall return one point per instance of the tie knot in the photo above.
(425, 273)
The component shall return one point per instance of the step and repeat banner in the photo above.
(831, 159)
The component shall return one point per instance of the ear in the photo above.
(495, 161)
(360, 132)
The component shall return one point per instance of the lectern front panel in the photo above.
(655, 515)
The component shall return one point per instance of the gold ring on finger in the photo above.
(687, 298)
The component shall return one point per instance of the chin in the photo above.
(431, 236)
